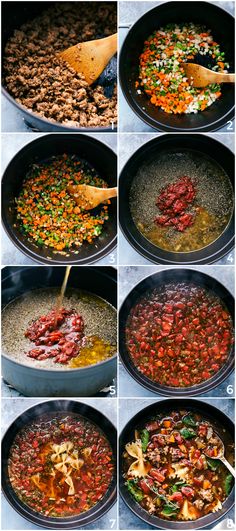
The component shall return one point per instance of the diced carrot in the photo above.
(167, 423)
(206, 484)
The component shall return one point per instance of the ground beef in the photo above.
(42, 82)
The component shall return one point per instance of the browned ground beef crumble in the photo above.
(44, 84)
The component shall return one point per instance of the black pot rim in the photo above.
(144, 116)
(61, 128)
(29, 254)
(35, 256)
(145, 516)
(162, 390)
(184, 257)
(62, 372)
(67, 522)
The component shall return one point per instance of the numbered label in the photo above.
(112, 258)
(112, 523)
(230, 390)
(230, 524)
(112, 390)
(229, 125)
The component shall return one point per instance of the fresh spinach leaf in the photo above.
(188, 433)
(170, 509)
(178, 486)
(144, 439)
(213, 464)
(189, 421)
(135, 491)
(228, 483)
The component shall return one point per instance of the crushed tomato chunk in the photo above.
(173, 202)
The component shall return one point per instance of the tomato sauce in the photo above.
(60, 465)
(179, 335)
(58, 335)
(173, 202)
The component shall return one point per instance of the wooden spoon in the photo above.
(199, 76)
(88, 197)
(91, 57)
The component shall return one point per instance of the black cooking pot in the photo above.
(13, 16)
(69, 406)
(219, 420)
(207, 147)
(157, 280)
(213, 17)
(32, 381)
(99, 155)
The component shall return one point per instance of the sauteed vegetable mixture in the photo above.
(60, 465)
(46, 211)
(161, 73)
(168, 468)
(179, 334)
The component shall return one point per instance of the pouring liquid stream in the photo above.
(62, 293)
(97, 348)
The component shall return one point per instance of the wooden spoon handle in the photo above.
(109, 192)
(108, 46)
(112, 40)
(218, 77)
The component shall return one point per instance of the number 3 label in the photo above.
(111, 258)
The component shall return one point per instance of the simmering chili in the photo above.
(60, 465)
(179, 335)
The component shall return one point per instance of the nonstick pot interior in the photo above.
(207, 147)
(99, 155)
(209, 412)
(28, 416)
(158, 280)
(36, 381)
(13, 16)
(221, 25)
(17, 281)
